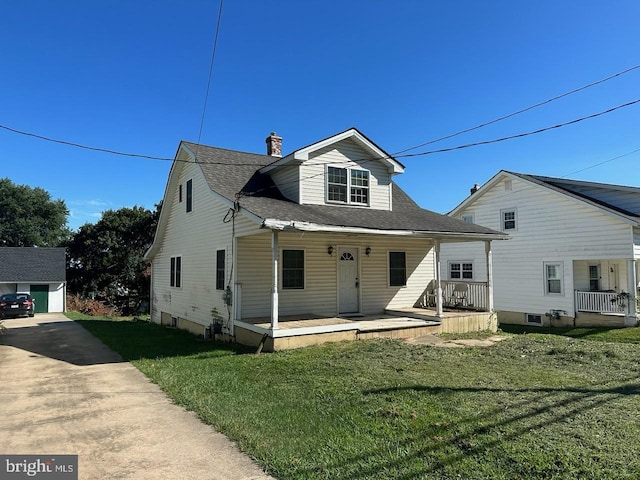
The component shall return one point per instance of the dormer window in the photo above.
(347, 185)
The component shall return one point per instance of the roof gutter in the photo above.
(284, 225)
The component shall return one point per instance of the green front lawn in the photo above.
(532, 406)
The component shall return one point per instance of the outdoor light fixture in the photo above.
(367, 251)
(330, 250)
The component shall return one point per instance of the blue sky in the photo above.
(132, 76)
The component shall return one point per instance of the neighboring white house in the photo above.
(41, 272)
(244, 240)
(572, 256)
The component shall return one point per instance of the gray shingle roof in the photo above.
(32, 265)
(566, 186)
(229, 172)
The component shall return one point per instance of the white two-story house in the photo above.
(247, 244)
(573, 254)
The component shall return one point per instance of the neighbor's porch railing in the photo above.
(599, 302)
(463, 295)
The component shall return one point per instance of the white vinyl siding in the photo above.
(288, 181)
(184, 233)
(344, 154)
(319, 296)
(550, 227)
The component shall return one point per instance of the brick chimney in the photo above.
(274, 145)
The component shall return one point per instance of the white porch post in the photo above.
(436, 245)
(274, 280)
(632, 283)
(489, 258)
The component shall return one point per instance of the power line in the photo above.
(601, 163)
(213, 56)
(520, 111)
(86, 147)
(520, 135)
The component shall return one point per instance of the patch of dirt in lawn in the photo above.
(436, 341)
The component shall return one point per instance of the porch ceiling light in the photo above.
(330, 250)
(367, 251)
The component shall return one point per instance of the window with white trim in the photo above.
(293, 269)
(459, 270)
(467, 218)
(508, 219)
(348, 185)
(553, 278)
(175, 276)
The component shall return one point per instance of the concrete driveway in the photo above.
(64, 392)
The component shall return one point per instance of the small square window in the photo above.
(467, 218)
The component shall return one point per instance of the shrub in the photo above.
(88, 306)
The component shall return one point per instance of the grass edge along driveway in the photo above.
(534, 406)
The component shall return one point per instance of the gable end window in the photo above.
(293, 269)
(397, 269)
(189, 195)
(347, 185)
(468, 218)
(220, 270)
(553, 278)
(508, 219)
(460, 271)
(175, 276)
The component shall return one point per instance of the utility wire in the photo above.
(519, 135)
(601, 163)
(459, 147)
(499, 119)
(213, 56)
(77, 145)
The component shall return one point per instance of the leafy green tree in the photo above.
(106, 258)
(30, 218)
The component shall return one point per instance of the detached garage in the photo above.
(40, 272)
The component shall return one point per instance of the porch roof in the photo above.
(230, 172)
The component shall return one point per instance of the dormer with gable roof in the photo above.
(346, 169)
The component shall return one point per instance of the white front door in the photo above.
(348, 281)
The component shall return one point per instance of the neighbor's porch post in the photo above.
(274, 279)
(489, 258)
(436, 245)
(633, 289)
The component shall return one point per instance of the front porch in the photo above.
(296, 331)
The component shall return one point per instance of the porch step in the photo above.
(412, 313)
(402, 332)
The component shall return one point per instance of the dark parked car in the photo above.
(16, 304)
